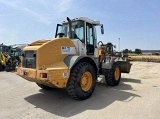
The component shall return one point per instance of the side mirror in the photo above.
(114, 46)
(102, 29)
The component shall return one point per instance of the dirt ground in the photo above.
(136, 97)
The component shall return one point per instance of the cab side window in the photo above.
(89, 39)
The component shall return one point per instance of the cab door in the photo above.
(90, 39)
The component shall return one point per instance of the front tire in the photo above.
(113, 76)
(82, 81)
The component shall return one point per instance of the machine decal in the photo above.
(68, 50)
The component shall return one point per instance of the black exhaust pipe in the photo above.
(70, 27)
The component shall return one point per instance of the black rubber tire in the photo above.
(110, 77)
(74, 88)
(44, 86)
(7, 69)
(0, 67)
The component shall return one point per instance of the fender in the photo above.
(70, 61)
(108, 63)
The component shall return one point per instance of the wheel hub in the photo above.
(117, 73)
(86, 81)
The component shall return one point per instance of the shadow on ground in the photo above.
(131, 80)
(57, 101)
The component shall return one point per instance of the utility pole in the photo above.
(119, 44)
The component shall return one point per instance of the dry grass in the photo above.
(146, 58)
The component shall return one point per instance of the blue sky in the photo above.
(135, 22)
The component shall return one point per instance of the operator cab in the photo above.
(4, 48)
(82, 29)
(109, 48)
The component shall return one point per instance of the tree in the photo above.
(130, 51)
(125, 51)
(138, 51)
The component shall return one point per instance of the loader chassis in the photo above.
(5, 58)
(9, 57)
(72, 60)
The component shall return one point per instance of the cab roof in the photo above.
(86, 20)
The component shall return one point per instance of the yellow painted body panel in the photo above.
(31, 47)
(57, 65)
(98, 52)
(50, 52)
(49, 60)
(2, 59)
(54, 78)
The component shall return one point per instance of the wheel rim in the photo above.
(117, 73)
(86, 81)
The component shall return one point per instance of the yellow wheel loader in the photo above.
(2, 61)
(5, 58)
(73, 59)
(10, 57)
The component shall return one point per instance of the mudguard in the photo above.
(70, 61)
(124, 64)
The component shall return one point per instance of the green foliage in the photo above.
(130, 51)
(127, 51)
(138, 51)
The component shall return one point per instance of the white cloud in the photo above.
(40, 11)
(19, 5)
(36, 16)
(8, 36)
(44, 3)
(51, 10)
(10, 3)
(64, 5)
(7, 15)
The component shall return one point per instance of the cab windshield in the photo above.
(3, 48)
(0, 48)
(77, 30)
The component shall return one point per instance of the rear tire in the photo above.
(113, 76)
(8, 68)
(44, 86)
(0, 67)
(82, 81)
